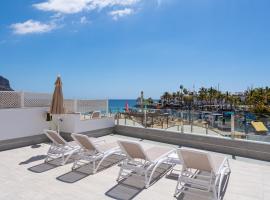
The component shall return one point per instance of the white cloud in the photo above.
(62, 6)
(116, 14)
(76, 6)
(31, 26)
(84, 20)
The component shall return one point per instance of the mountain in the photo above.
(4, 84)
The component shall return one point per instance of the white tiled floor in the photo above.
(249, 179)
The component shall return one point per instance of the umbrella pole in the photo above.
(58, 124)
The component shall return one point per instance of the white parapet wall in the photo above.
(72, 123)
(22, 122)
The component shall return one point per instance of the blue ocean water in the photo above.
(118, 105)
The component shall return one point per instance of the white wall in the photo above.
(93, 124)
(22, 122)
(72, 123)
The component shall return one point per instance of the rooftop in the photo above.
(249, 179)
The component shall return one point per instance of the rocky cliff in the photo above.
(4, 84)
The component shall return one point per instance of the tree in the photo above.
(150, 101)
(202, 95)
(257, 100)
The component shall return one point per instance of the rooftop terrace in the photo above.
(249, 179)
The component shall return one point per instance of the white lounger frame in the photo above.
(139, 166)
(188, 179)
(85, 156)
(61, 149)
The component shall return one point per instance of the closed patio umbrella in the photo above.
(127, 109)
(57, 104)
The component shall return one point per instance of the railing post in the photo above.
(206, 128)
(107, 107)
(22, 100)
(117, 118)
(125, 120)
(182, 126)
(75, 105)
(145, 119)
(232, 126)
(191, 121)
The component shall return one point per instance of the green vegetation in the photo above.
(256, 100)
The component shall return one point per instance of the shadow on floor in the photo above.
(86, 170)
(35, 146)
(131, 186)
(172, 176)
(46, 166)
(33, 159)
(197, 195)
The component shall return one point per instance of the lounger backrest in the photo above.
(133, 150)
(95, 115)
(55, 137)
(195, 159)
(84, 142)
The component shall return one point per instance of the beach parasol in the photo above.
(57, 104)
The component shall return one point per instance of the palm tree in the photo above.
(202, 95)
(212, 93)
(181, 92)
(257, 99)
(149, 101)
(166, 96)
(185, 91)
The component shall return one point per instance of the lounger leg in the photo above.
(104, 157)
(47, 159)
(146, 179)
(67, 158)
(94, 166)
(215, 192)
(219, 185)
(224, 172)
(63, 159)
(228, 166)
(74, 165)
(119, 174)
(48, 153)
(76, 160)
(153, 171)
(177, 185)
(121, 170)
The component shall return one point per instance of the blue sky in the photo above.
(116, 48)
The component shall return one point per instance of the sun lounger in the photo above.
(202, 171)
(59, 147)
(91, 152)
(140, 161)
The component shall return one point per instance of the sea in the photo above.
(118, 105)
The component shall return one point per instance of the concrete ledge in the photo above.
(237, 147)
(22, 142)
(94, 133)
(37, 139)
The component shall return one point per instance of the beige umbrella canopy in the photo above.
(57, 104)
